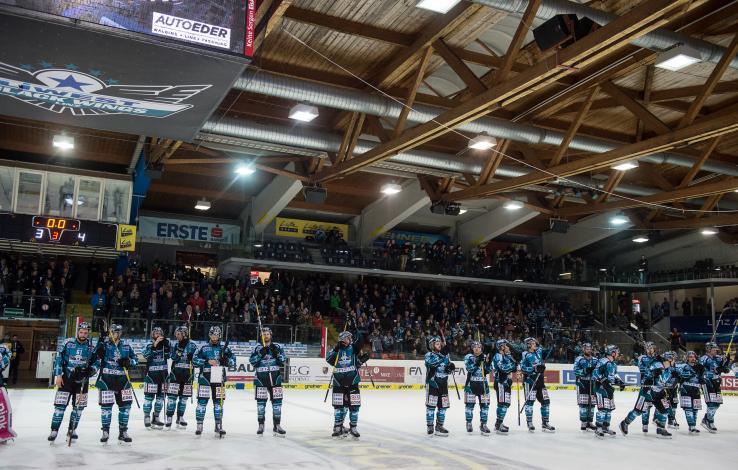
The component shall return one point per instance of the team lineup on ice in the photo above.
(391, 436)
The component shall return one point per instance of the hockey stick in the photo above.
(75, 400)
(223, 380)
(535, 381)
(453, 375)
(263, 343)
(335, 364)
(517, 384)
(191, 379)
(717, 325)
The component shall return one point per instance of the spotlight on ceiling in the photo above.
(678, 58)
(625, 166)
(245, 170)
(619, 219)
(63, 142)
(391, 188)
(439, 6)
(462, 211)
(709, 231)
(640, 239)
(304, 112)
(202, 205)
(482, 142)
(513, 205)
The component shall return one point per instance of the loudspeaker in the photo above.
(558, 225)
(555, 31)
(583, 27)
(315, 195)
(453, 208)
(438, 207)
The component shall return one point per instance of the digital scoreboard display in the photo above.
(223, 25)
(57, 231)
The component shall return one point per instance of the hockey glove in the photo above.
(100, 350)
(444, 350)
(124, 362)
(478, 360)
(540, 368)
(190, 356)
(337, 347)
(274, 350)
(590, 370)
(699, 369)
(364, 358)
(264, 351)
(451, 367)
(101, 328)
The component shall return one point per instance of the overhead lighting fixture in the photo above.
(417, 259)
(462, 211)
(709, 231)
(640, 239)
(517, 280)
(678, 58)
(63, 142)
(202, 205)
(625, 166)
(564, 274)
(603, 270)
(619, 219)
(513, 205)
(717, 269)
(487, 267)
(257, 245)
(391, 188)
(482, 142)
(304, 112)
(439, 6)
(245, 170)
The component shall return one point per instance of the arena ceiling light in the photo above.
(625, 166)
(619, 219)
(640, 239)
(709, 231)
(245, 170)
(391, 188)
(513, 205)
(482, 142)
(439, 6)
(463, 211)
(203, 205)
(678, 58)
(63, 142)
(517, 280)
(304, 112)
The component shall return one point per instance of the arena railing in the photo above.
(18, 305)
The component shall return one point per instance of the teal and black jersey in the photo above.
(157, 367)
(436, 374)
(268, 362)
(182, 355)
(504, 365)
(345, 360)
(606, 372)
(111, 373)
(663, 377)
(476, 373)
(645, 366)
(530, 360)
(584, 366)
(688, 374)
(75, 353)
(714, 366)
(209, 352)
(4, 362)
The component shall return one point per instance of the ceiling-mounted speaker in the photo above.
(558, 225)
(315, 195)
(561, 31)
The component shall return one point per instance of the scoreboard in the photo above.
(223, 25)
(58, 231)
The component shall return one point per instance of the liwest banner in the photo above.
(126, 239)
(298, 228)
(417, 238)
(699, 327)
(189, 230)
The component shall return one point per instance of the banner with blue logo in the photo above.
(188, 230)
(699, 328)
(418, 238)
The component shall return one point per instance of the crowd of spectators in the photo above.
(37, 286)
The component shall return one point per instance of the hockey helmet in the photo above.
(530, 340)
(586, 346)
(611, 349)
(500, 343)
(83, 326)
(649, 345)
(668, 355)
(215, 331)
(433, 340)
(183, 330)
(475, 344)
(266, 329)
(345, 335)
(710, 345)
(690, 355)
(157, 329)
(115, 328)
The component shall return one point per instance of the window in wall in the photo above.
(59, 200)
(88, 199)
(116, 201)
(28, 199)
(7, 177)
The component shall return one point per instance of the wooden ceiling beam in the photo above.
(712, 81)
(709, 204)
(640, 111)
(472, 82)
(702, 130)
(657, 96)
(709, 148)
(334, 208)
(493, 162)
(612, 182)
(712, 221)
(280, 172)
(702, 190)
(639, 21)
(516, 43)
(347, 136)
(574, 127)
(410, 99)
(196, 193)
(647, 84)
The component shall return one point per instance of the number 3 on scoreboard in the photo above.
(39, 234)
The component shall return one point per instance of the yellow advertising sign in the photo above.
(126, 239)
(297, 228)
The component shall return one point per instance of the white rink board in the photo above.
(392, 424)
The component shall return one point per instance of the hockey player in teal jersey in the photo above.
(116, 358)
(584, 365)
(504, 366)
(605, 377)
(156, 354)
(346, 359)
(268, 359)
(713, 365)
(438, 366)
(690, 379)
(179, 382)
(644, 401)
(663, 378)
(212, 354)
(672, 394)
(533, 366)
(75, 363)
(476, 387)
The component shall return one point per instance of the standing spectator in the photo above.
(376, 341)
(16, 351)
(665, 307)
(676, 340)
(99, 303)
(643, 269)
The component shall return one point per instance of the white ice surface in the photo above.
(392, 426)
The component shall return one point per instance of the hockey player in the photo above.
(672, 394)
(75, 362)
(115, 359)
(210, 355)
(4, 362)
(605, 376)
(504, 366)
(476, 387)
(157, 368)
(644, 402)
(267, 359)
(663, 378)
(438, 366)
(346, 360)
(179, 383)
(690, 378)
(584, 365)
(533, 367)
(714, 365)
(6, 414)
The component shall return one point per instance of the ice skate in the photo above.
(147, 422)
(693, 431)
(168, 423)
(430, 429)
(52, 436)
(279, 432)
(531, 428)
(501, 429)
(710, 427)
(198, 432)
(353, 432)
(663, 433)
(260, 430)
(105, 435)
(337, 431)
(181, 423)
(123, 437)
(441, 431)
(219, 429)
(546, 427)
(469, 427)
(156, 424)
(624, 428)
(484, 430)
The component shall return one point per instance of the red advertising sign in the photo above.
(248, 46)
(551, 377)
(383, 374)
(729, 382)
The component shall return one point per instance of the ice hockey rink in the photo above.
(392, 426)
